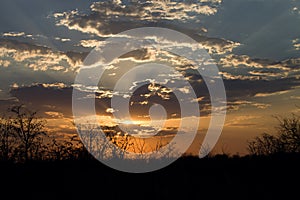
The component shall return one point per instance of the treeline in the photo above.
(23, 137)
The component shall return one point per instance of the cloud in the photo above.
(62, 39)
(242, 121)
(38, 58)
(14, 86)
(110, 110)
(245, 77)
(156, 10)
(110, 17)
(244, 67)
(271, 94)
(236, 105)
(261, 74)
(247, 89)
(54, 85)
(295, 10)
(46, 98)
(295, 97)
(90, 43)
(217, 45)
(244, 60)
(265, 73)
(296, 44)
(13, 34)
(198, 99)
(53, 114)
(229, 76)
(4, 63)
(57, 97)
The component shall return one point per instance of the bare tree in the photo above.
(7, 138)
(287, 139)
(28, 130)
(289, 133)
(265, 144)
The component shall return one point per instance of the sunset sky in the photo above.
(254, 43)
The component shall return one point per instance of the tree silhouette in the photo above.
(28, 130)
(287, 139)
(6, 138)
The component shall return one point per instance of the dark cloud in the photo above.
(243, 67)
(239, 93)
(24, 64)
(14, 47)
(46, 98)
(111, 17)
(240, 90)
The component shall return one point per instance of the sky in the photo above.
(254, 43)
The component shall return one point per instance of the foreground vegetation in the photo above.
(250, 177)
(36, 164)
(23, 138)
(286, 140)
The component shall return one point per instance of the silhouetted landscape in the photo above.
(119, 99)
(32, 168)
(247, 177)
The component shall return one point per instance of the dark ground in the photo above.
(188, 178)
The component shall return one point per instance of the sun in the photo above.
(129, 122)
